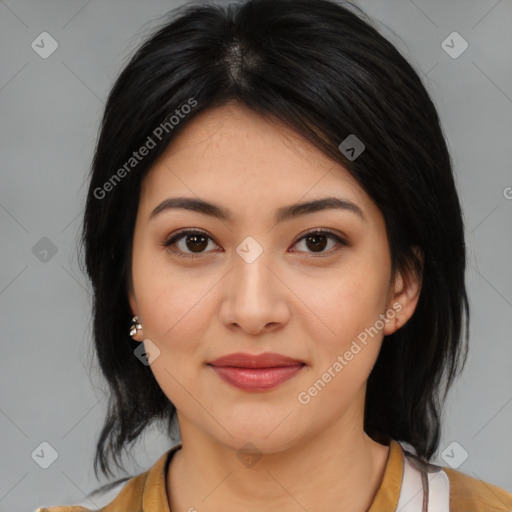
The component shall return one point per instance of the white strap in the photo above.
(411, 492)
(439, 492)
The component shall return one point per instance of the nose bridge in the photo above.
(251, 262)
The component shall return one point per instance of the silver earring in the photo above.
(135, 326)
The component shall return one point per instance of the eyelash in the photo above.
(183, 233)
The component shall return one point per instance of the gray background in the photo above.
(50, 112)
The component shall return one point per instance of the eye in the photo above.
(197, 242)
(317, 241)
(192, 239)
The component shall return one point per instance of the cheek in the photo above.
(173, 309)
(345, 302)
(347, 340)
(349, 303)
(170, 299)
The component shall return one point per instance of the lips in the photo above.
(265, 360)
(256, 372)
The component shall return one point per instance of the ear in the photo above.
(404, 294)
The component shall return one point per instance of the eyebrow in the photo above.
(284, 213)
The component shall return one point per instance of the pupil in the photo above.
(316, 244)
(198, 242)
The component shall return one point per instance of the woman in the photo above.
(276, 247)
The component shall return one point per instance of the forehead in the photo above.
(232, 156)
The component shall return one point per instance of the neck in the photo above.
(340, 469)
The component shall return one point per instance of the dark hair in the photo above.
(325, 72)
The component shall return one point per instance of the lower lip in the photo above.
(256, 379)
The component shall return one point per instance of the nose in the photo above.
(254, 297)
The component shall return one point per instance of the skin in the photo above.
(290, 300)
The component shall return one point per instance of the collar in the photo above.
(386, 497)
(154, 494)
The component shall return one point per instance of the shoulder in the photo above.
(471, 494)
(127, 496)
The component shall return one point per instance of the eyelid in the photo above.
(341, 240)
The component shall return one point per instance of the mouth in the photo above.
(260, 372)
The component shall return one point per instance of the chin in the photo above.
(255, 440)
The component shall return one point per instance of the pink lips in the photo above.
(256, 372)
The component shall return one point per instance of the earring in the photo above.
(135, 325)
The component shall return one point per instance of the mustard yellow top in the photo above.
(147, 492)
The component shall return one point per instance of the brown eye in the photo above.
(188, 243)
(317, 241)
(196, 242)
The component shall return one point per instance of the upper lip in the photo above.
(265, 360)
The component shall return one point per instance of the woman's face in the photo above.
(253, 283)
